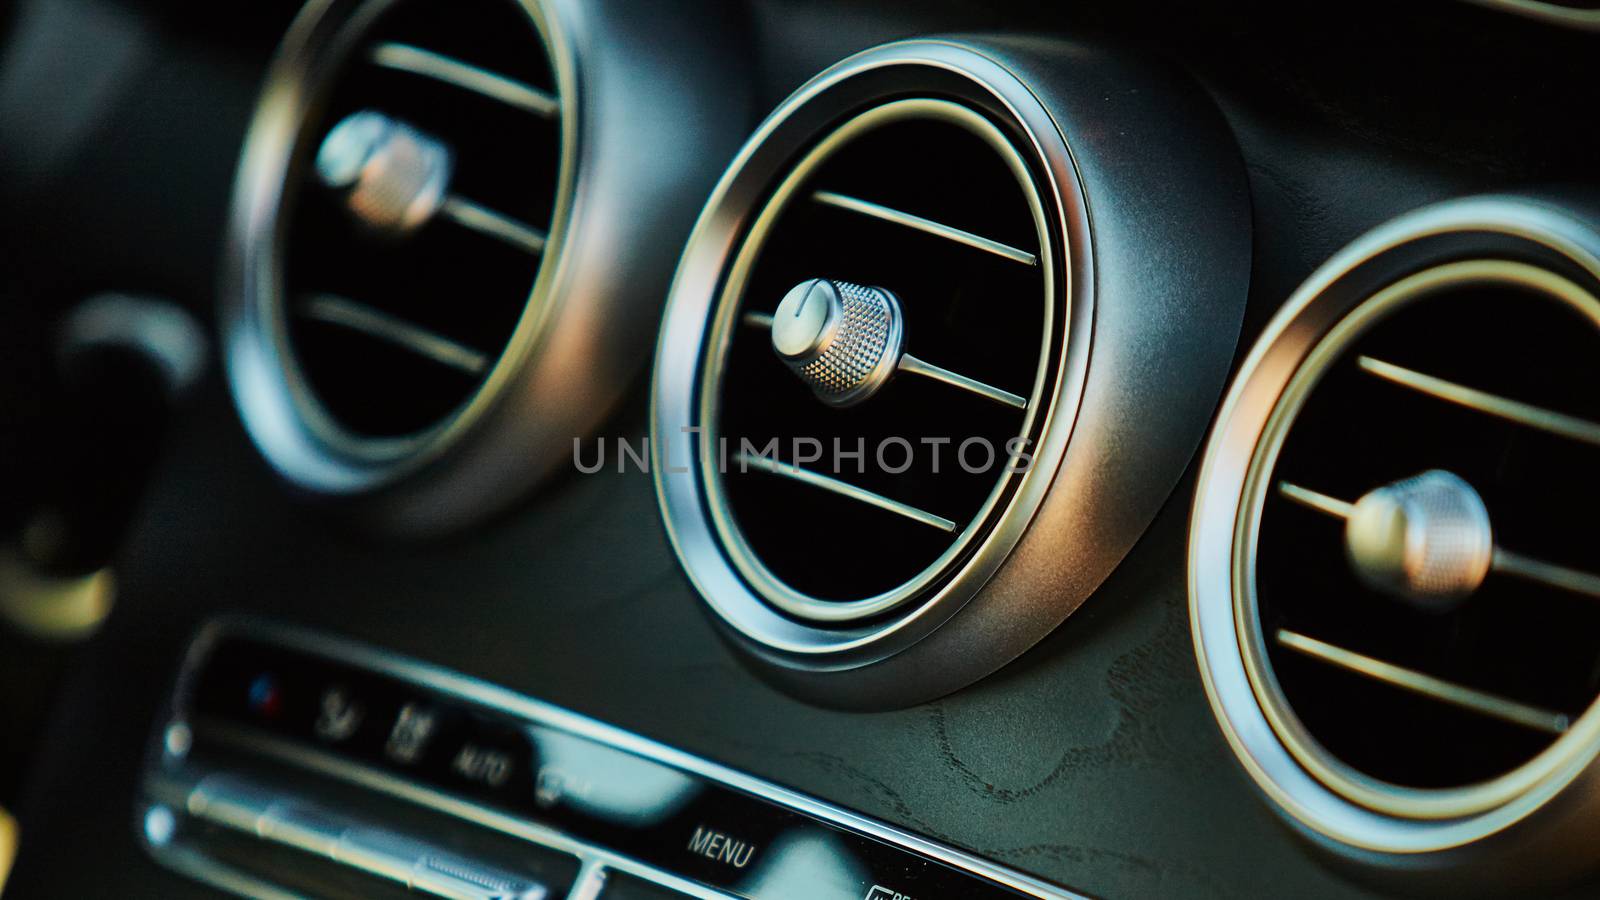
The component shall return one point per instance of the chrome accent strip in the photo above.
(1546, 420)
(451, 683)
(1470, 699)
(347, 313)
(844, 489)
(1549, 574)
(915, 366)
(927, 226)
(427, 63)
(499, 226)
(1312, 500)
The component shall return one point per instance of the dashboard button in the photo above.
(413, 729)
(338, 715)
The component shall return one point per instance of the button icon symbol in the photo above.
(410, 734)
(485, 766)
(339, 717)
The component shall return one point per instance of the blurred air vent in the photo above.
(1461, 644)
(433, 285)
(413, 242)
(923, 202)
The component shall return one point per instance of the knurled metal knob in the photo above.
(842, 339)
(395, 177)
(1426, 539)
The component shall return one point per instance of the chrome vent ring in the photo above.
(1391, 596)
(912, 513)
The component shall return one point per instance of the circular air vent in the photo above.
(1392, 559)
(415, 239)
(875, 356)
(439, 240)
(961, 387)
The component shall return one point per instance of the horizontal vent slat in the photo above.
(375, 323)
(1487, 403)
(493, 224)
(927, 226)
(843, 489)
(1471, 699)
(428, 64)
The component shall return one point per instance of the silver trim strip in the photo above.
(448, 682)
(1504, 561)
(499, 226)
(1461, 696)
(427, 63)
(347, 313)
(844, 489)
(1556, 423)
(927, 226)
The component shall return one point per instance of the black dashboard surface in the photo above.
(1092, 761)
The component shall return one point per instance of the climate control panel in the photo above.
(293, 762)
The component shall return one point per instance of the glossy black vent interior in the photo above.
(1516, 639)
(965, 309)
(459, 284)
